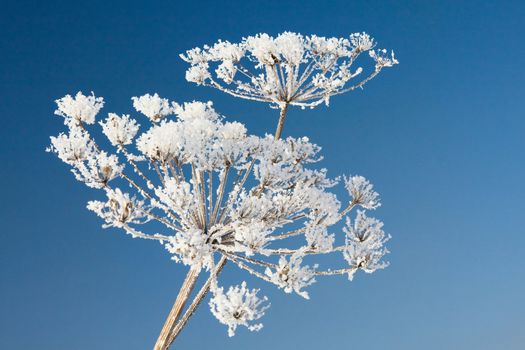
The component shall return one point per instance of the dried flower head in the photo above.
(288, 69)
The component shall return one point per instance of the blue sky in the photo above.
(441, 136)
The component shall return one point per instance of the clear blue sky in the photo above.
(441, 136)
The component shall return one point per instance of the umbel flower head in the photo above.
(237, 307)
(290, 69)
(207, 190)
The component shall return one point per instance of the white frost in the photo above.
(239, 306)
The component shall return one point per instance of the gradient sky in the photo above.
(441, 136)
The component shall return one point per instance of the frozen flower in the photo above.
(239, 306)
(260, 202)
(226, 71)
(383, 59)
(291, 47)
(362, 192)
(119, 210)
(290, 69)
(365, 241)
(198, 74)
(291, 276)
(161, 141)
(198, 136)
(191, 248)
(98, 170)
(73, 147)
(120, 130)
(233, 131)
(224, 50)
(361, 42)
(153, 107)
(195, 110)
(251, 237)
(263, 48)
(80, 108)
(318, 238)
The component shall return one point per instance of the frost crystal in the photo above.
(238, 307)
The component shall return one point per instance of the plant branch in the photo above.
(187, 286)
(196, 301)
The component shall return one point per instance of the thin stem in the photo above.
(336, 272)
(233, 194)
(187, 286)
(250, 260)
(348, 208)
(157, 170)
(200, 175)
(149, 184)
(210, 196)
(280, 123)
(285, 251)
(247, 268)
(218, 200)
(196, 301)
(131, 182)
(197, 188)
(286, 235)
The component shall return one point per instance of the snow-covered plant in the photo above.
(288, 69)
(210, 192)
(237, 307)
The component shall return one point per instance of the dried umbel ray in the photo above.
(210, 193)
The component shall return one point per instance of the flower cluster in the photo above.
(119, 210)
(120, 130)
(365, 242)
(215, 191)
(237, 307)
(291, 276)
(153, 107)
(80, 108)
(362, 192)
(288, 69)
(275, 196)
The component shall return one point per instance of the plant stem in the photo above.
(196, 302)
(280, 124)
(187, 286)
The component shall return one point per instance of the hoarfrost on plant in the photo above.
(289, 69)
(204, 188)
(239, 306)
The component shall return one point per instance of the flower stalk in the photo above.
(184, 293)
